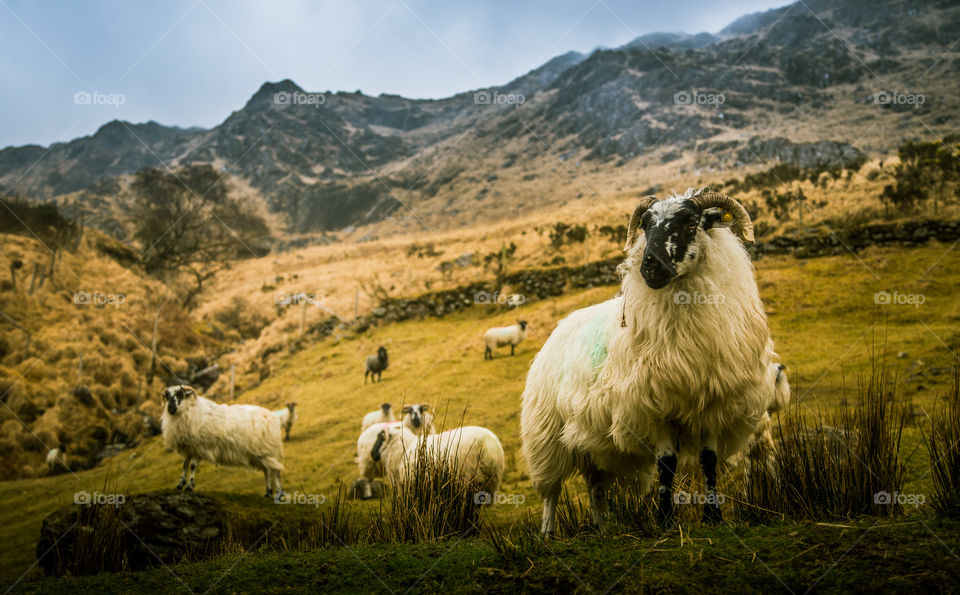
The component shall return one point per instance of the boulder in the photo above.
(107, 532)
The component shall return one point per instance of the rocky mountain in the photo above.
(804, 83)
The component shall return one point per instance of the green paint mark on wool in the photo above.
(597, 335)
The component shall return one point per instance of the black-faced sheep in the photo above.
(376, 364)
(474, 452)
(417, 419)
(237, 435)
(675, 365)
(504, 335)
(382, 415)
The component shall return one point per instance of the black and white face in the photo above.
(523, 324)
(416, 414)
(175, 397)
(382, 353)
(671, 230)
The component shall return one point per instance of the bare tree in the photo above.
(189, 224)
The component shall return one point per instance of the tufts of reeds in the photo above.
(433, 501)
(851, 466)
(942, 444)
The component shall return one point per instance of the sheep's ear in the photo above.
(424, 407)
(406, 409)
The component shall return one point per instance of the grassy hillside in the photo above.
(823, 316)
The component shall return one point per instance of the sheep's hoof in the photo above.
(712, 515)
(180, 485)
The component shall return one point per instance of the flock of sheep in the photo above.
(621, 391)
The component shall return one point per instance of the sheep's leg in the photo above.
(487, 354)
(183, 474)
(193, 472)
(365, 374)
(512, 347)
(551, 496)
(598, 482)
(708, 464)
(666, 468)
(278, 489)
(268, 479)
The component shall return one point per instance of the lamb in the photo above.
(287, 416)
(382, 415)
(376, 364)
(504, 335)
(474, 452)
(417, 419)
(675, 364)
(239, 435)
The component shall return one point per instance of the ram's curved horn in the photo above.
(638, 212)
(708, 200)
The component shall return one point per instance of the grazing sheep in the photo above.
(504, 335)
(382, 415)
(675, 365)
(365, 489)
(417, 419)
(474, 452)
(238, 435)
(287, 416)
(376, 364)
(369, 468)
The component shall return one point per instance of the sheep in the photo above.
(376, 364)
(417, 419)
(287, 416)
(364, 489)
(621, 388)
(504, 335)
(381, 415)
(369, 468)
(239, 435)
(56, 459)
(761, 443)
(474, 452)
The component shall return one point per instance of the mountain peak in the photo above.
(268, 89)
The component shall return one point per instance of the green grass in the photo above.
(864, 556)
(823, 318)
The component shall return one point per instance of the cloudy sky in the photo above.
(192, 62)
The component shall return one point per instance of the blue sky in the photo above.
(192, 62)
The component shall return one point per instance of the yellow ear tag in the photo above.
(727, 217)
